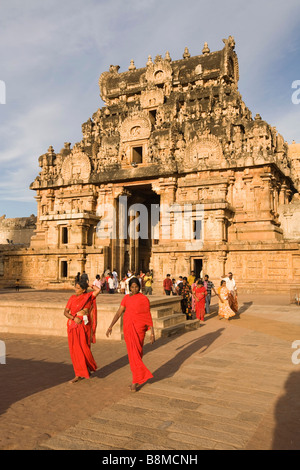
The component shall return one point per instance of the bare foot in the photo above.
(76, 379)
(133, 387)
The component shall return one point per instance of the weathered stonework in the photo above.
(17, 231)
(173, 132)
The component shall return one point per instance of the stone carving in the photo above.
(203, 150)
(108, 156)
(135, 127)
(158, 72)
(76, 166)
(151, 98)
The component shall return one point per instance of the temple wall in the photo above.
(289, 216)
(17, 231)
(259, 268)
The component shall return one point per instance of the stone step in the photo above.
(170, 320)
(172, 302)
(159, 312)
(192, 324)
(179, 328)
(170, 331)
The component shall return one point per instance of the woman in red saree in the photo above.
(199, 294)
(136, 321)
(81, 311)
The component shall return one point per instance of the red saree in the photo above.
(136, 321)
(80, 336)
(200, 293)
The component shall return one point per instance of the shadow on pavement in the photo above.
(186, 351)
(21, 378)
(287, 414)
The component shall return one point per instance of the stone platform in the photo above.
(41, 312)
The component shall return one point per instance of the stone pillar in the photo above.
(106, 208)
(283, 194)
(222, 260)
(230, 189)
(122, 231)
(266, 196)
(222, 231)
(249, 203)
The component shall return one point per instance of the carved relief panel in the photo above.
(152, 98)
(159, 72)
(76, 166)
(203, 151)
(135, 127)
(135, 133)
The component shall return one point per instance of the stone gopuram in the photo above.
(175, 156)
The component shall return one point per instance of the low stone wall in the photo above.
(47, 318)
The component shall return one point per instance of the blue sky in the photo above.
(52, 54)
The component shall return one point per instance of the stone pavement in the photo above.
(226, 385)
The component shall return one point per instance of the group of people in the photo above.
(196, 295)
(109, 281)
(81, 312)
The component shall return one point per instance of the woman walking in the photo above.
(186, 301)
(81, 311)
(224, 309)
(199, 294)
(136, 321)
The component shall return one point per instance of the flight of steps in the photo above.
(168, 319)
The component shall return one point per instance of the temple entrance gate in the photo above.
(137, 228)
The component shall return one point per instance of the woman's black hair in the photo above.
(134, 280)
(200, 282)
(222, 282)
(83, 284)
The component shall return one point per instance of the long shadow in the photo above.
(215, 309)
(287, 414)
(20, 378)
(123, 361)
(186, 351)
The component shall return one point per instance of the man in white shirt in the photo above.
(111, 284)
(129, 276)
(230, 283)
(231, 286)
(97, 282)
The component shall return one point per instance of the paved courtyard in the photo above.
(227, 385)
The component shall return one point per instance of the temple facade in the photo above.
(172, 174)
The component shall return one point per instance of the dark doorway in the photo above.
(198, 265)
(64, 269)
(137, 155)
(144, 220)
(64, 235)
